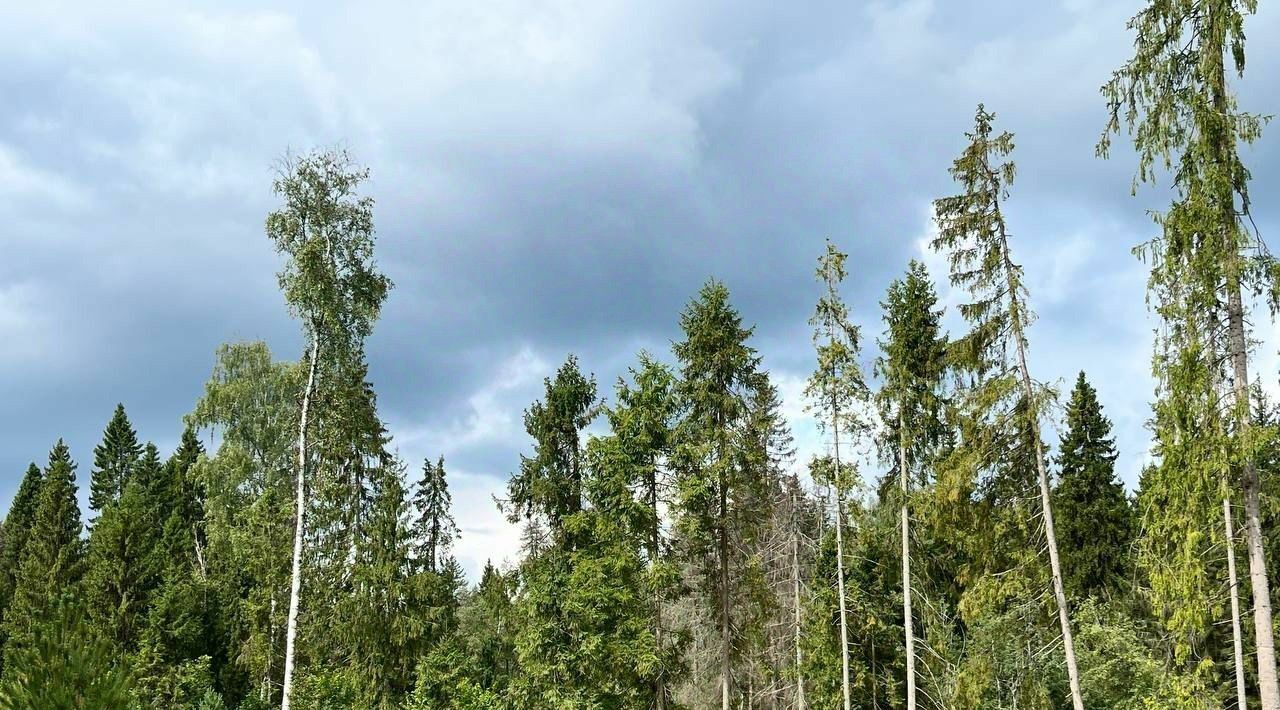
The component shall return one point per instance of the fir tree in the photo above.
(52, 564)
(113, 460)
(1095, 521)
(434, 529)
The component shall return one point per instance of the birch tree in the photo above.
(973, 232)
(324, 230)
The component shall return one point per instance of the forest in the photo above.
(946, 550)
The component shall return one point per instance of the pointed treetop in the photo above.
(113, 460)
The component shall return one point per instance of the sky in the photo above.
(551, 177)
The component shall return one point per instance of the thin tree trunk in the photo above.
(660, 683)
(726, 641)
(1051, 537)
(907, 621)
(844, 620)
(295, 583)
(1236, 635)
(1264, 638)
(795, 579)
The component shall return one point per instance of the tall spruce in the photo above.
(113, 460)
(1096, 524)
(911, 403)
(52, 564)
(434, 528)
(325, 231)
(719, 376)
(973, 231)
(1175, 98)
(838, 393)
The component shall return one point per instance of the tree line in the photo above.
(943, 551)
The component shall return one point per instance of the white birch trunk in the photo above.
(295, 580)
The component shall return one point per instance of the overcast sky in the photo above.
(551, 177)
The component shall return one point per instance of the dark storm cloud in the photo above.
(551, 177)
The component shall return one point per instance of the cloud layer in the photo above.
(554, 176)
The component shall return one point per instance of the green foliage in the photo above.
(65, 666)
(434, 527)
(16, 532)
(113, 461)
(549, 483)
(1096, 524)
(52, 564)
(325, 228)
(911, 401)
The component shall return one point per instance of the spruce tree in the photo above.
(113, 460)
(1175, 98)
(643, 422)
(330, 280)
(719, 375)
(434, 528)
(838, 393)
(973, 231)
(17, 531)
(548, 486)
(52, 564)
(911, 403)
(1095, 521)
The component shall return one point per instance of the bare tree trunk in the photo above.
(726, 640)
(1051, 537)
(907, 621)
(1264, 638)
(844, 614)
(655, 548)
(795, 579)
(295, 583)
(1236, 635)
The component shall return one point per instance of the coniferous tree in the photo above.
(643, 422)
(17, 531)
(52, 564)
(548, 486)
(911, 403)
(1175, 98)
(972, 229)
(1095, 521)
(331, 283)
(719, 375)
(434, 528)
(113, 460)
(838, 392)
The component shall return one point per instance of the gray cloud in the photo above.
(551, 177)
